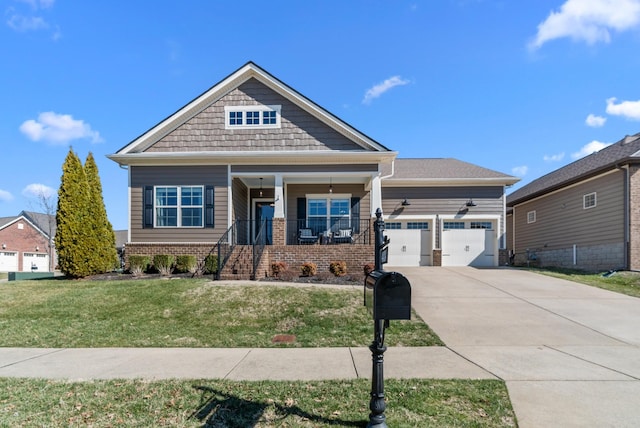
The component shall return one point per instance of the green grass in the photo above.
(4, 275)
(621, 282)
(128, 403)
(189, 313)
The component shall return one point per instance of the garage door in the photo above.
(468, 247)
(35, 262)
(8, 261)
(409, 247)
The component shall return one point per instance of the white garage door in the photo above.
(468, 247)
(8, 261)
(408, 247)
(36, 262)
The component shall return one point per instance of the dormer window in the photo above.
(252, 117)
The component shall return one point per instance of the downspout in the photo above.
(376, 190)
(627, 216)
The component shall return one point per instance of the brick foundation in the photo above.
(200, 250)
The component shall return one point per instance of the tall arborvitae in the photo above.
(105, 258)
(72, 217)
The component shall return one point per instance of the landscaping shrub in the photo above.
(278, 267)
(287, 275)
(186, 263)
(368, 268)
(164, 263)
(338, 268)
(211, 264)
(309, 269)
(138, 264)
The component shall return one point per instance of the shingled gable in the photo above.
(623, 152)
(441, 171)
(166, 141)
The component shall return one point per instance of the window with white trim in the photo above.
(418, 225)
(324, 214)
(481, 225)
(531, 217)
(252, 117)
(179, 206)
(447, 225)
(589, 200)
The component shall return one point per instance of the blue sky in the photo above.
(522, 87)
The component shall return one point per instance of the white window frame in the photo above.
(531, 216)
(328, 197)
(260, 109)
(178, 207)
(586, 200)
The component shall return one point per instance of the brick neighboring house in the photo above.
(26, 243)
(252, 154)
(585, 215)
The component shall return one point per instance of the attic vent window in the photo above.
(252, 117)
(531, 217)
(589, 200)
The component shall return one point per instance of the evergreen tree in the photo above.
(72, 216)
(105, 257)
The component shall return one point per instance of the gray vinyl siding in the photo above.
(142, 176)
(561, 220)
(240, 192)
(299, 130)
(442, 200)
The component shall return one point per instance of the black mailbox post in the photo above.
(388, 297)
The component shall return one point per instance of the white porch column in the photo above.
(376, 194)
(278, 211)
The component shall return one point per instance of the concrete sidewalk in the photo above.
(233, 364)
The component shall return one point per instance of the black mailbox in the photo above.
(388, 295)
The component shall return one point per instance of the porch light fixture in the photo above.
(405, 202)
(4, 246)
(37, 248)
(260, 186)
(330, 186)
(470, 203)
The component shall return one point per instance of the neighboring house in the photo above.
(252, 154)
(585, 215)
(26, 243)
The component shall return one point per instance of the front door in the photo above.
(264, 213)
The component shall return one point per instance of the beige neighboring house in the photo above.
(255, 172)
(585, 215)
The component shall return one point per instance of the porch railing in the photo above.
(361, 232)
(258, 246)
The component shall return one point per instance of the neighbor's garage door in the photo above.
(35, 261)
(468, 247)
(8, 261)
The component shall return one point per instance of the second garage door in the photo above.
(8, 261)
(468, 247)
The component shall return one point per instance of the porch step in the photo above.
(240, 264)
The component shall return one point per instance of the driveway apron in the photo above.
(569, 353)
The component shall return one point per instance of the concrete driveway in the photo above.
(569, 353)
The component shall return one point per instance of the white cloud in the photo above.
(588, 20)
(26, 23)
(37, 190)
(58, 129)
(520, 171)
(595, 121)
(627, 109)
(553, 158)
(589, 148)
(31, 20)
(383, 87)
(5, 196)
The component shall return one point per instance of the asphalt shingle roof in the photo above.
(621, 152)
(439, 168)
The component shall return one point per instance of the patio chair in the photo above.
(343, 236)
(306, 236)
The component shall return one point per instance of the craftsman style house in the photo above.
(253, 167)
(585, 215)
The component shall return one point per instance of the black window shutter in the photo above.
(355, 214)
(209, 196)
(302, 212)
(147, 215)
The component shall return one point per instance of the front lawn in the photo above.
(621, 282)
(189, 313)
(128, 403)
